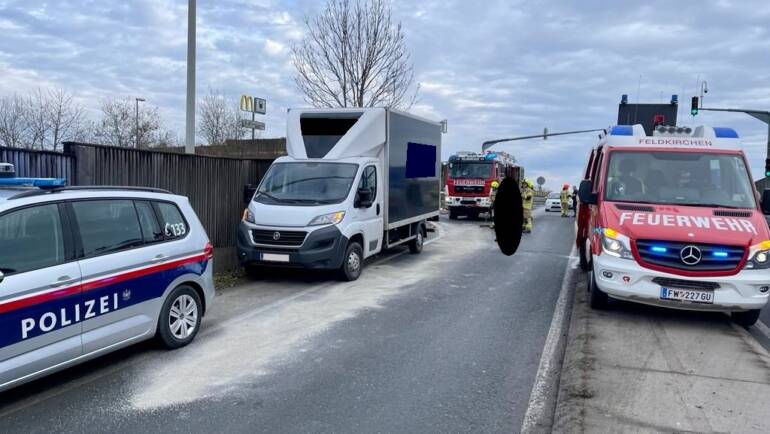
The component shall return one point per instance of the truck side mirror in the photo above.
(363, 198)
(248, 192)
(585, 193)
(766, 202)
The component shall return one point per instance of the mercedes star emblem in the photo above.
(690, 255)
(277, 236)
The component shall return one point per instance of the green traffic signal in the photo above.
(694, 106)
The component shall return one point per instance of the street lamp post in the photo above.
(189, 143)
(136, 131)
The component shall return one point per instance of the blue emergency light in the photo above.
(658, 249)
(33, 182)
(719, 254)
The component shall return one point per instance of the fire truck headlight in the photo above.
(759, 256)
(616, 244)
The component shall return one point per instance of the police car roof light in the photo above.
(45, 183)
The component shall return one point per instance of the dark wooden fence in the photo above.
(213, 184)
(39, 164)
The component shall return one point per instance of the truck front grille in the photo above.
(278, 238)
(685, 284)
(672, 254)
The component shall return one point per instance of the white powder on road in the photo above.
(246, 348)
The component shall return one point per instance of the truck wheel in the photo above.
(747, 318)
(415, 246)
(598, 298)
(584, 264)
(352, 262)
(452, 214)
(180, 317)
(473, 215)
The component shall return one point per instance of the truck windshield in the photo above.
(682, 178)
(306, 183)
(474, 169)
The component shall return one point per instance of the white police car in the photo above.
(87, 270)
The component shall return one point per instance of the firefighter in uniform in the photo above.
(527, 199)
(492, 195)
(564, 199)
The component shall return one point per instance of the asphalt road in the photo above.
(447, 341)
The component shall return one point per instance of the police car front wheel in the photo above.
(180, 317)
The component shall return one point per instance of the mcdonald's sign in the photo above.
(253, 104)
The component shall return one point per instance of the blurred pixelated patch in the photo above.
(420, 160)
(508, 216)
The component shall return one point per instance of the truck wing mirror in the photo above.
(766, 201)
(585, 193)
(248, 193)
(363, 198)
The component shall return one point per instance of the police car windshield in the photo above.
(306, 183)
(463, 169)
(682, 178)
(553, 195)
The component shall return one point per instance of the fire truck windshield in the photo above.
(468, 169)
(682, 178)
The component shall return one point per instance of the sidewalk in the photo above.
(641, 369)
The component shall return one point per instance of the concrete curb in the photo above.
(539, 417)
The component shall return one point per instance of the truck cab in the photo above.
(673, 219)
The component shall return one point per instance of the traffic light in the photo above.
(767, 167)
(694, 106)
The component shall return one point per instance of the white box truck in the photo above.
(355, 182)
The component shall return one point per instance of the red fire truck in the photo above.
(673, 219)
(469, 180)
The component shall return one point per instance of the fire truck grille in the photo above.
(690, 256)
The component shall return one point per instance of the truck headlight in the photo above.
(328, 219)
(616, 244)
(248, 216)
(759, 256)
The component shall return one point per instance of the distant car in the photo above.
(553, 203)
(87, 270)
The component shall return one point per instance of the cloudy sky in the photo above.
(492, 68)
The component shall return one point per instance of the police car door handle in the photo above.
(63, 280)
(159, 258)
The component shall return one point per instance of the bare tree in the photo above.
(218, 120)
(118, 124)
(354, 55)
(65, 117)
(13, 125)
(36, 117)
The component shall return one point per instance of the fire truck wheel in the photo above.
(473, 215)
(598, 298)
(747, 318)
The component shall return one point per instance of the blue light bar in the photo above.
(622, 130)
(659, 249)
(33, 182)
(719, 254)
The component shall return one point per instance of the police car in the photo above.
(673, 219)
(87, 270)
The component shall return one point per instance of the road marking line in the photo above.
(539, 414)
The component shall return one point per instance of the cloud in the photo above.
(494, 69)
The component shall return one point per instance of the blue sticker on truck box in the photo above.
(420, 160)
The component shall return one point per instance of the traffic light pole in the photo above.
(761, 115)
(488, 144)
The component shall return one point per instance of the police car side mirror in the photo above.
(2, 276)
(766, 202)
(585, 193)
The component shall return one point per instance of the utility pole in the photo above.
(136, 131)
(189, 143)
